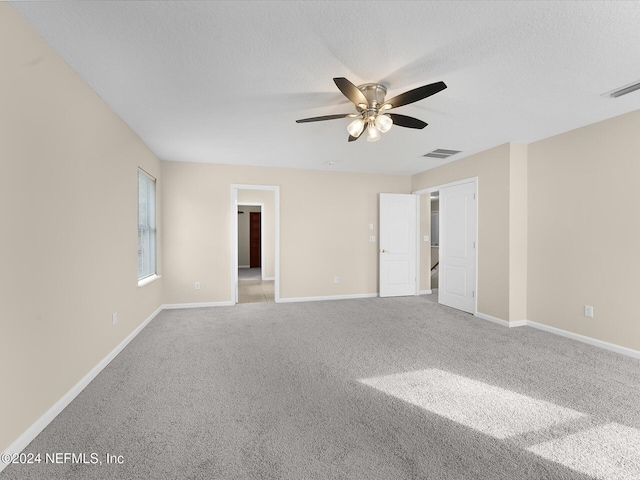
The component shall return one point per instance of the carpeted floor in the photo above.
(389, 389)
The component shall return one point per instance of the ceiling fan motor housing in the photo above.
(374, 93)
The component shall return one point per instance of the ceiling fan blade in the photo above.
(353, 139)
(350, 91)
(414, 95)
(326, 117)
(405, 121)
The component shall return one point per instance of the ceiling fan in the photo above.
(371, 106)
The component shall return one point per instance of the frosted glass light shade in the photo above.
(383, 122)
(355, 128)
(373, 134)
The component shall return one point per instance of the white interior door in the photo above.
(458, 220)
(398, 262)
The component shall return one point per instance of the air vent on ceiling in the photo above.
(623, 90)
(441, 153)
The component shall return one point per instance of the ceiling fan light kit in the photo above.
(369, 101)
(383, 122)
(356, 127)
(373, 134)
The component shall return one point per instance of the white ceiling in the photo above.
(224, 82)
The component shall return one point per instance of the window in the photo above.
(146, 225)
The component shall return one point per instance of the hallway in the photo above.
(251, 287)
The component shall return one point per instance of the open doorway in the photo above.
(434, 264)
(255, 243)
(448, 243)
(253, 285)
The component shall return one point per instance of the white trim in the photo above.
(584, 339)
(34, 430)
(250, 186)
(173, 306)
(425, 292)
(243, 266)
(499, 321)
(328, 297)
(518, 323)
(489, 318)
(147, 280)
(629, 352)
(269, 278)
(234, 244)
(436, 188)
(418, 244)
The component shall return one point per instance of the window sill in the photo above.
(147, 280)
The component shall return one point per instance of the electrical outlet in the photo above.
(197, 285)
(336, 280)
(588, 311)
(114, 318)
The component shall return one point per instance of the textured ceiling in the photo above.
(224, 82)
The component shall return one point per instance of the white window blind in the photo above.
(146, 225)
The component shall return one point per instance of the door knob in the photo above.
(382, 250)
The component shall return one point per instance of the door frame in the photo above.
(261, 205)
(436, 188)
(234, 237)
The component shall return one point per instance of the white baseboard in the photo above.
(269, 278)
(629, 352)
(34, 430)
(172, 306)
(584, 339)
(328, 297)
(244, 266)
(489, 318)
(499, 321)
(425, 292)
(518, 323)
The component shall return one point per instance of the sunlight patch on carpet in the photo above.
(491, 410)
(610, 451)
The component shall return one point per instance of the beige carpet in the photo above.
(386, 389)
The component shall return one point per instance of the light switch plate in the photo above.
(372, 239)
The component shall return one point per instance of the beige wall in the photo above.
(324, 229)
(425, 247)
(268, 218)
(518, 205)
(583, 230)
(68, 248)
(492, 169)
